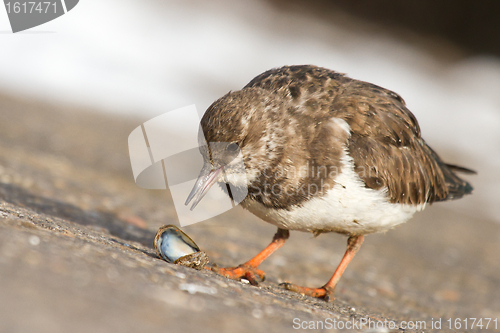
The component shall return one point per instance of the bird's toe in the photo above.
(241, 272)
(324, 293)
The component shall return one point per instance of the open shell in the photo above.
(173, 245)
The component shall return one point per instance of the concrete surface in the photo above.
(76, 249)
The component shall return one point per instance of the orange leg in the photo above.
(327, 291)
(249, 269)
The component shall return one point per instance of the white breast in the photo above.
(349, 207)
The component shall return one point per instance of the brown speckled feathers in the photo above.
(282, 120)
(320, 152)
(385, 142)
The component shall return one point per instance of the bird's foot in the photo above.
(244, 271)
(323, 292)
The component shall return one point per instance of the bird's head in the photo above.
(225, 138)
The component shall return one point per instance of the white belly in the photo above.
(349, 208)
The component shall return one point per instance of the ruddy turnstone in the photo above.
(322, 153)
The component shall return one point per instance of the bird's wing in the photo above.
(385, 142)
(388, 150)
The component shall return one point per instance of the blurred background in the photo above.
(144, 58)
(76, 232)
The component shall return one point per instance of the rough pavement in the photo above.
(76, 248)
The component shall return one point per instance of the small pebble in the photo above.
(34, 240)
(269, 311)
(257, 313)
(196, 288)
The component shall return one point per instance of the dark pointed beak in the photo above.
(208, 177)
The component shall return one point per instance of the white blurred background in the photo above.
(144, 58)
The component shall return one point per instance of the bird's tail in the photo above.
(457, 187)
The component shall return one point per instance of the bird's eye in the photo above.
(233, 147)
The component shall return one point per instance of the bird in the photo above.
(316, 151)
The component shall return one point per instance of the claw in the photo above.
(249, 269)
(327, 291)
(323, 292)
(241, 272)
